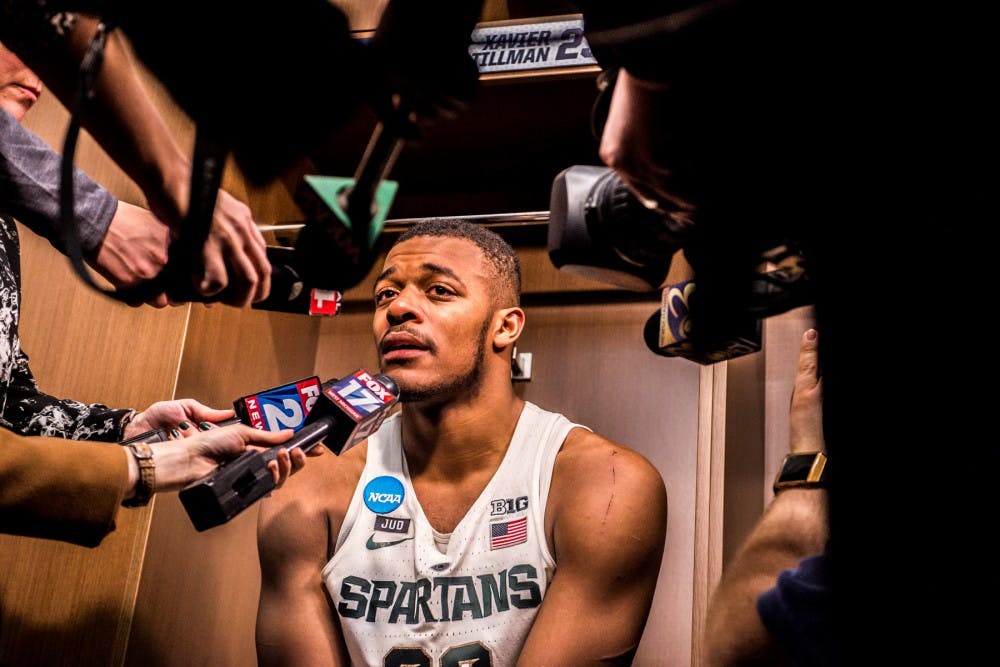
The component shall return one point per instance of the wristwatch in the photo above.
(808, 469)
(146, 485)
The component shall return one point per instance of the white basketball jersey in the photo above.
(408, 596)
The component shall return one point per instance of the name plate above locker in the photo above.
(522, 46)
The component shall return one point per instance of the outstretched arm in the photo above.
(74, 496)
(609, 517)
(129, 126)
(793, 527)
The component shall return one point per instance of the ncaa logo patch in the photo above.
(383, 494)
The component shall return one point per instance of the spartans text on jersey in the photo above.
(439, 599)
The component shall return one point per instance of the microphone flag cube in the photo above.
(681, 328)
(361, 402)
(282, 407)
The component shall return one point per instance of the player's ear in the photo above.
(508, 325)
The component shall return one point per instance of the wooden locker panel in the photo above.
(744, 462)
(197, 599)
(63, 604)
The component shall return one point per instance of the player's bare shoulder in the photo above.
(586, 452)
(603, 488)
(593, 469)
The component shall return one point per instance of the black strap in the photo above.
(206, 177)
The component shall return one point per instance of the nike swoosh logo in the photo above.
(371, 544)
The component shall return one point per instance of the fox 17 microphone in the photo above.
(343, 413)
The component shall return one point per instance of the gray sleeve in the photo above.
(29, 189)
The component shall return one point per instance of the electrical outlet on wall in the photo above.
(520, 367)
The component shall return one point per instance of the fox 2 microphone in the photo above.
(346, 412)
(284, 406)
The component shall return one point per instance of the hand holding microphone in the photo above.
(344, 413)
(706, 318)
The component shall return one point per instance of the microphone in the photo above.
(291, 293)
(284, 406)
(679, 329)
(334, 251)
(722, 318)
(339, 244)
(344, 413)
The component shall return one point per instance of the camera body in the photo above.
(600, 230)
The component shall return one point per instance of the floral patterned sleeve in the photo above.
(23, 408)
(28, 411)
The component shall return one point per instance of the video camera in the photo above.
(600, 230)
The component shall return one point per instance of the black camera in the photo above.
(598, 229)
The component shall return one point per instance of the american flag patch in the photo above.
(508, 533)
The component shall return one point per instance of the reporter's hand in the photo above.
(235, 255)
(805, 416)
(181, 462)
(184, 415)
(134, 250)
(636, 143)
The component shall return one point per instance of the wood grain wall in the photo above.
(63, 604)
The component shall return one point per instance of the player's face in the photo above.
(19, 87)
(433, 314)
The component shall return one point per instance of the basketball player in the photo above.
(473, 527)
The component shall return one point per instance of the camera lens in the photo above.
(617, 218)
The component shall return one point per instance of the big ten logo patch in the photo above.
(501, 506)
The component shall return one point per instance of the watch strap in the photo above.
(146, 485)
(803, 470)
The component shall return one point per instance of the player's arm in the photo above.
(295, 624)
(608, 510)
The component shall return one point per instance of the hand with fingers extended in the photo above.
(234, 257)
(180, 462)
(805, 417)
(179, 418)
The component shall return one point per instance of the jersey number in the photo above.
(466, 655)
